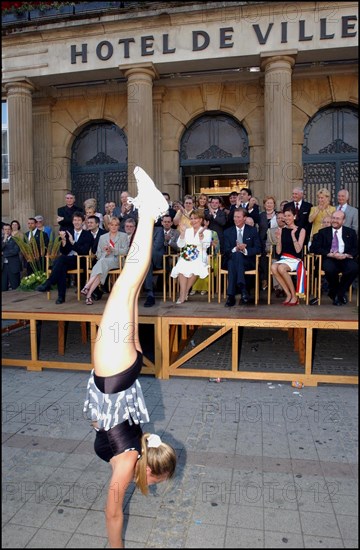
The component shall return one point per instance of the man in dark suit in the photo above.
(217, 220)
(338, 247)
(171, 235)
(38, 235)
(65, 213)
(233, 200)
(302, 211)
(73, 243)
(93, 225)
(10, 261)
(241, 245)
(247, 201)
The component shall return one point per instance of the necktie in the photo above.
(339, 207)
(296, 209)
(76, 236)
(335, 243)
(239, 237)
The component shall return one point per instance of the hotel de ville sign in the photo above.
(222, 38)
(303, 29)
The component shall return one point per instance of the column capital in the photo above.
(278, 60)
(19, 84)
(139, 69)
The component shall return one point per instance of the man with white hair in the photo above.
(302, 211)
(351, 213)
(125, 211)
(41, 227)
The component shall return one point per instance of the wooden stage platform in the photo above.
(174, 326)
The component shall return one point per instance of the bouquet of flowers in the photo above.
(32, 281)
(190, 252)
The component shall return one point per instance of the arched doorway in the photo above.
(330, 153)
(214, 155)
(99, 164)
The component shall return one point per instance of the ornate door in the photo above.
(99, 164)
(330, 154)
(214, 145)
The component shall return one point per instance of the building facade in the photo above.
(205, 96)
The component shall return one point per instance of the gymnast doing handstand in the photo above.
(114, 397)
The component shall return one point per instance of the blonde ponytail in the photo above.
(161, 460)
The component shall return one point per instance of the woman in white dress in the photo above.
(193, 260)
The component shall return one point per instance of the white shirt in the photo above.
(32, 233)
(241, 229)
(76, 238)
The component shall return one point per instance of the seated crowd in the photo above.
(242, 233)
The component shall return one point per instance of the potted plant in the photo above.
(14, 12)
(43, 10)
(36, 258)
(82, 7)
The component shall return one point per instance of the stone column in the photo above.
(158, 94)
(43, 162)
(278, 125)
(21, 163)
(140, 125)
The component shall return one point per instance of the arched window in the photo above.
(330, 153)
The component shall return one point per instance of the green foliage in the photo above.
(36, 257)
(53, 246)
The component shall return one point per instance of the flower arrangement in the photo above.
(32, 281)
(190, 252)
(36, 258)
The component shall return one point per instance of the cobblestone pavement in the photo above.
(261, 464)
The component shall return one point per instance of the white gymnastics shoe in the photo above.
(148, 196)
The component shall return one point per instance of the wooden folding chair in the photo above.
(77, 271)
(114, 273)
(317, 273)
(211, 277)
(307, 266)
(222, 275)
(165, 273)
